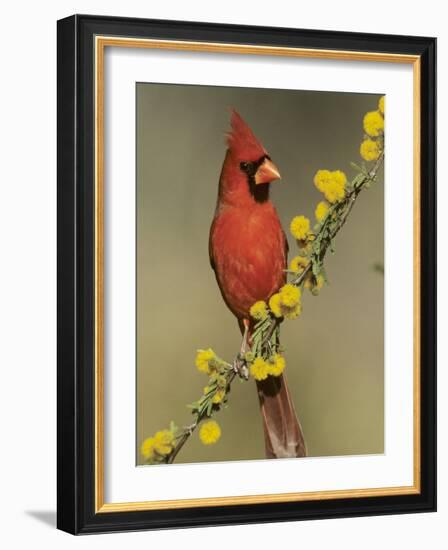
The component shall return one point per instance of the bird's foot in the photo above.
(240, 363)
(240, 367)
(245, 346)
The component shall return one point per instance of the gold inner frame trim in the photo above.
(101, 42)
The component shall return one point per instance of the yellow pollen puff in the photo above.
(259, 311)
(335, 192)
(219, 396)
(309, 281)
(203, 358)
(163, 442)
(370, 150)
(322, 179)
(298, 264)
(331, 184)
(373, 123)
(320, 281)
(147, 448)
(339, 178)
(209, 432)
(381, 104)
(275, 305)
(279, 309)
(314, 284)
(293, 312)
(300, 227)
(259, 369)
(277, 365)
(321, 211)
(290, 295)
(279, 302)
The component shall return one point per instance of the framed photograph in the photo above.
(246, 274)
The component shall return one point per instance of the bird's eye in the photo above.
(248, 167)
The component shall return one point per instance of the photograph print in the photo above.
(260, 274)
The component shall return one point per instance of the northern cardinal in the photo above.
(248, 252)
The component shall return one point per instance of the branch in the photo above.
(188, 430)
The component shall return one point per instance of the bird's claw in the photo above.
(240, 367)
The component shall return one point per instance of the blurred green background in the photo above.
(334, 351)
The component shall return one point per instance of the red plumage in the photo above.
(248, 248)
(242, 141)
(248, 252)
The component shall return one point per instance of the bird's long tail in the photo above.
(283, 434)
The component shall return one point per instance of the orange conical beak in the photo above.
(267, 172)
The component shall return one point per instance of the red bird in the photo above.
(248, 252)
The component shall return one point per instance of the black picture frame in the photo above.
(76, 301)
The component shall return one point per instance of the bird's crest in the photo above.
(242, 141)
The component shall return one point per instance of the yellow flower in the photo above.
(280, 309)
(293, 312)
(275, 305)
(259, 311)
(209, 432)
(339, 178)
(321, 211)
(334, 192)
(321, 179)
(309, 281)
(370, 149)
(300, 227)
(290, 295)
(219, 396)
(381, 104)
(147, 448)
(203, 358)
(331, 184)
(163, 442)
(373, 123)
(259, 369)
(298, 264)
(277, 365)
(314, 284)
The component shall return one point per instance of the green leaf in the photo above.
(209, 408)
